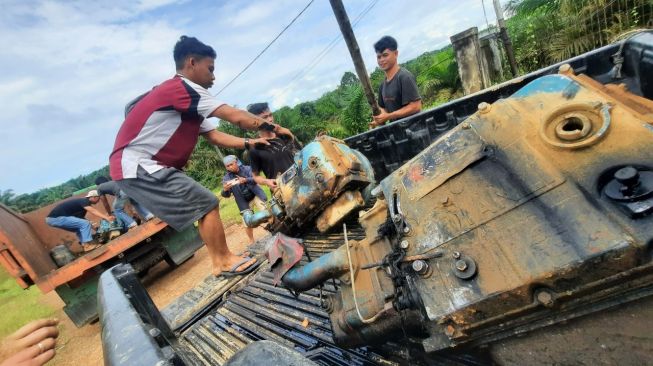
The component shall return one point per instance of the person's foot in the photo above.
(87, 247)
(149, 217)
(133, 225)
(228, 266)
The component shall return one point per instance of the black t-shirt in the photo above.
(72, 207)
(275, 158)
(399, 91)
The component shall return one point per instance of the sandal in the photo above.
(233, 272)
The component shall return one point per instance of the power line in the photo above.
(266, 47)
(328, 48)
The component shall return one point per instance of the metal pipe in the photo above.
(318, 271)
(252, 219)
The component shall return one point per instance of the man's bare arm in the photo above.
(405, 111)
(246, 120)
(97, 213)
(222, 139)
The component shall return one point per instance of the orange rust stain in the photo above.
(415, 174)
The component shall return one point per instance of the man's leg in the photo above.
(127, 220)
(212, 232)
(81, 227)
(141, 211)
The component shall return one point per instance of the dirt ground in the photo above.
(83, 346)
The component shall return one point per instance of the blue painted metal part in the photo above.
(332, 265)
(255, 219)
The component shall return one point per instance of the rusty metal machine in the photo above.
(327, 181)
(536, 210)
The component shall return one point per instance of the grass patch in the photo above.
(19, 306)
(229, 212)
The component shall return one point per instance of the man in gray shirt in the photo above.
(398, 94)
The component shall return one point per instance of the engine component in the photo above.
(322, 187)
(533, 211)
(108, 231)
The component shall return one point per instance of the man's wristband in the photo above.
(246, 143)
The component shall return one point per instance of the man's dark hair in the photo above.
(386, 42)
(257, 108)
(101, 179)
(190, 46)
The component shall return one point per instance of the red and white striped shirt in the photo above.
(162, 128)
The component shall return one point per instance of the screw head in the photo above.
(484, 107)
(449, 330)
(419, 266)
(544, 297)
(406, 230)
(456, 255)
(154, 332)
(461, 265)
(404, 244)
(565, 69)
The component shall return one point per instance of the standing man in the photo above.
(398, 94)
(120, 199)
(70, 215)
(278, 156)
(157, 138)
(239, 181)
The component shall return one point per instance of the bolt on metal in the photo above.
(404, 244)
(456, 255)
(420, 266)
(484, 107)
(461, 265)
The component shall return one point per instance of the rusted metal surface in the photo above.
(323, 170)
(97, 256)
(341, 207)
(23, 252)
(533, 211)
(283, 253)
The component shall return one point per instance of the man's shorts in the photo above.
(170, 195)
(255, 203)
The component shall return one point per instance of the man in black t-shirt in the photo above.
(398, 93)
(70, 216)
(275, 158)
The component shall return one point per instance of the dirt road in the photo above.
(83, 346)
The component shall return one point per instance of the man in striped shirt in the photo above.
(157, 138)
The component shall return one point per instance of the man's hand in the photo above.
(111, 218)
(33, 344)
(272, 183)
(283, 131)
(381, 118)
(242, 180)
(260, 140)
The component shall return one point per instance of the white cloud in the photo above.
(69, 67)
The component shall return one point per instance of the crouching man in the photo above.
(70, 215)
(239, 181)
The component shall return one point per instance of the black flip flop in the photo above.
(232, 272)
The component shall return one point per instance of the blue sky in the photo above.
(69, 67)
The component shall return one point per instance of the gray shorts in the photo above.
(171, 195)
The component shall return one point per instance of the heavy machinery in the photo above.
(512, 226)
(37, 254)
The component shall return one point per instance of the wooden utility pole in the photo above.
(355, 52)
(507, 44)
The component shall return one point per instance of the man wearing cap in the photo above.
(70, 215)
(276, 157)
(239, 181)
(157, 138)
